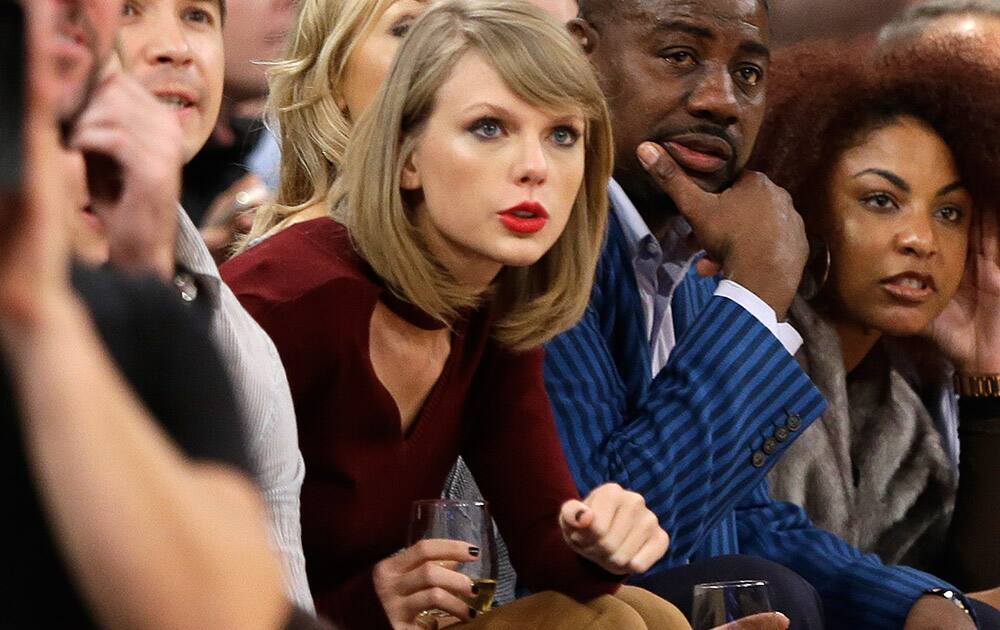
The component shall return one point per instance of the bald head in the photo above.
(595, 11)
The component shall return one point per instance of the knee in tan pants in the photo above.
(630, 609)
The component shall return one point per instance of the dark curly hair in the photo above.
(827, 97)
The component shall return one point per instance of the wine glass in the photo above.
(718, 603)
(467, 521)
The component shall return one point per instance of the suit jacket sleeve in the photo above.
(857, 589)
(693, 441)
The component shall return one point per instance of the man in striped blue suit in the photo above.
(681, 385)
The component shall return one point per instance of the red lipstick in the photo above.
(526, 217)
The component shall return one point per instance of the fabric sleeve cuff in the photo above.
(784, 332)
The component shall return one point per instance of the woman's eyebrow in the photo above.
(896, 180)
(955, 185)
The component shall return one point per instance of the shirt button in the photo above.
(758, 459)
(770, 446)
(794, 422)
(781, 434)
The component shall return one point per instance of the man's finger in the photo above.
(685, 193)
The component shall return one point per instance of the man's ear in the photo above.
(409, 179)
(585, 34)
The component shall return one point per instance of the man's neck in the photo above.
(656, 208)
(224, 134)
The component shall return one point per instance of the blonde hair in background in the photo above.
(541, 63)
(303, 88)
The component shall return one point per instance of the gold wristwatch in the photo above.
(977, 385)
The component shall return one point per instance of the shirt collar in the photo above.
(640, 239)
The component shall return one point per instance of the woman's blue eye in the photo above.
(565, 136)
(487, 128)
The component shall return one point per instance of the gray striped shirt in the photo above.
(262, 392)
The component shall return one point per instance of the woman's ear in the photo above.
(584, 33)
(409, 179)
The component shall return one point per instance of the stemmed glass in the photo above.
(719, 603)
(467, 521)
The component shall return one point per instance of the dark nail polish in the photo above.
(475, 589)
(579, 515)
(472, 613)
(474, 552)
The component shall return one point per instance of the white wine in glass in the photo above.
(467, 521)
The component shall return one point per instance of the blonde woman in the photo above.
(466, 226)
(338, 57)
(339, 54)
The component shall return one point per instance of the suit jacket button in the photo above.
(770, 446)
(781, 434)
(758, 459)
(794, 422)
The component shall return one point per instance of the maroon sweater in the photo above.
(314, 295)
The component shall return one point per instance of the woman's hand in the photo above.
(614, 529)
(417, 579)
(968, 330)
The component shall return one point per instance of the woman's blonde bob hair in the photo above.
(542, 64)
(304, 89)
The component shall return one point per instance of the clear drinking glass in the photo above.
(468, 521)
(718, 603)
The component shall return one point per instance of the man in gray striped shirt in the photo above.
(141, 125)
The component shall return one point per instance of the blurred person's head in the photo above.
(483, 161)
(339, 54)
(70, 40)
(885, 161)
(944, 20)
(174, 48)
(255, 33)
(690, 75)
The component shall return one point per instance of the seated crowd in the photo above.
(683, 306)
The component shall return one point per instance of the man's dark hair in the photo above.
(916, 18)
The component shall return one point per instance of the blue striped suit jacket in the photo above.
(688, 439)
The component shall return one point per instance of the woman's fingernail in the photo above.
(473, 613)
(475, 589)
(474, 552)
(647, 154)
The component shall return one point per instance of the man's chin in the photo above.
(714, 182)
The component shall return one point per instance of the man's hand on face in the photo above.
(135, 150)
(750, 231)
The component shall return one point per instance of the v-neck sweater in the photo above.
(309, 289)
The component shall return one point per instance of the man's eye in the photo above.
(487, 128)
(198, 15)
(750, 75)
(679, 57)
(565, 136)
